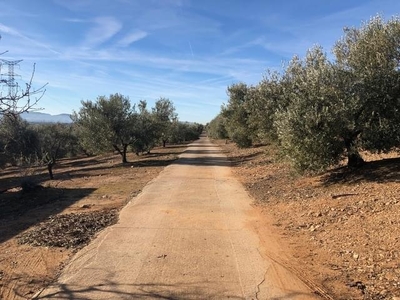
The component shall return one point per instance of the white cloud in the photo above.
(260, 41)
(132, 37)
(31, 41)
(75, 20)
(104, 29)
(9, 30)
(250, 69)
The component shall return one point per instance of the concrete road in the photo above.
(186, 236)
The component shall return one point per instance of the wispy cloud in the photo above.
(75, 20)
(260, 41)
(132, 37)
(219, 66)
(9, 30)
(104, 28)
(191, 49)
(16, 33)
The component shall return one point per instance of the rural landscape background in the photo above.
(314, 141)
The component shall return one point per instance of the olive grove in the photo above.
(320, 110)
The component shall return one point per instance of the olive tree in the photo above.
(56, 141)
(108, 123)
(185, 131)
(165, 115)
(307, 127)
(146, 130)
(338, 108)
(20, 142)
(216, 128)
(38, 144)
(236, 115)
(262, 103)
(321, 111)
(368, 61)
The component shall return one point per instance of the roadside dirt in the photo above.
(341, 227)
(42, 229)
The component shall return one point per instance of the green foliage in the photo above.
(184, 132)
(307, 127)
(192, 131)
(19, 141)
(113, 124)
(56, 141)
(262, 103)
(369, 58)
(236, 115)
(241, 138)
(110, 123)
(107, 124)
(320, 111)
(216, 128)
(146, 130)
(27, 144)
(165, 116)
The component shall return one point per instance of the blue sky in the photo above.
(186, 50)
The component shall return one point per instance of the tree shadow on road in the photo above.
(220, 161)
(178, 291)
(203, 151)
(114, 290)
(202, 145)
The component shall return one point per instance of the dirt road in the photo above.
(188, 235)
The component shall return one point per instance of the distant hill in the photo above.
(38, 117)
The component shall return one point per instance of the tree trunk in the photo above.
(124, 160)
(122, 152)
(50, 169)
(164, 142)
(354, 159)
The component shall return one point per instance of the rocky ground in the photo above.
(41, 229)
(343, 227)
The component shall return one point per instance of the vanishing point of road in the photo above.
(186, 236)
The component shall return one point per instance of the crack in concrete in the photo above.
(262, 281)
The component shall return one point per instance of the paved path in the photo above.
(186, 236)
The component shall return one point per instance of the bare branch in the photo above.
(20, 100)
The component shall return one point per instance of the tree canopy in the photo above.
(320, 110)
(165, 116)
(108, 123)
